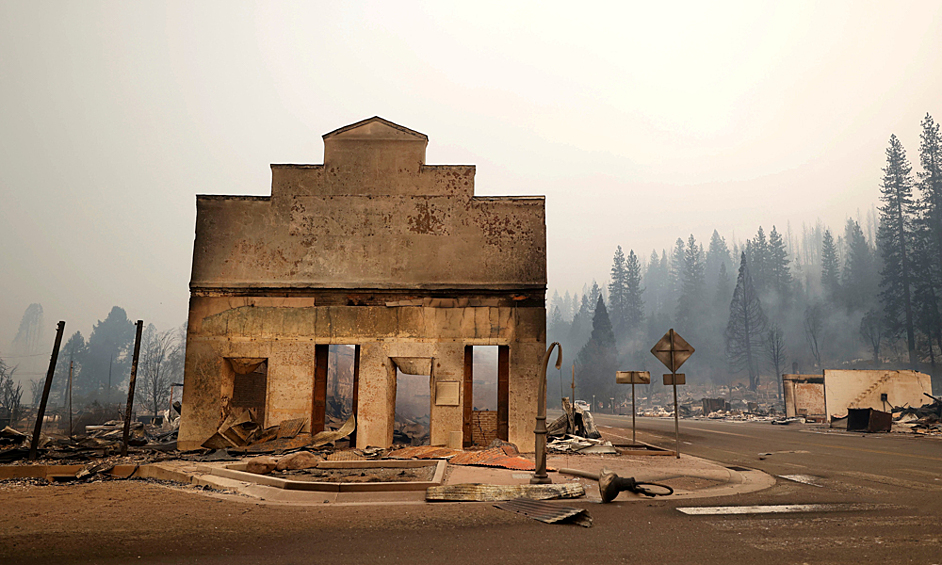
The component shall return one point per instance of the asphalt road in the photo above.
(875, 498)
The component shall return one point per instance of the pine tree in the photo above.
(634, 303)
(759, 261)
(556, 301)
(653, 282)
(570, 306)
(926, 315)
(581, 326)
(557, 329)
(594, 293)
(597, 359)
(108, 357)
(859, 280)
(717, 256)
(677, 272)
(896, 244)
(691, 301)
(780, 276)
(72, 351)
(830, 268)
(723, 290)
(930, 183)
(747, 326)
(928, 230)
(618, 294)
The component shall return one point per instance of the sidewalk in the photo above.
(690, 477)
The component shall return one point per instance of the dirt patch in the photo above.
(363, 475)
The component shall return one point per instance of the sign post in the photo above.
(633, 377)
(673, 350)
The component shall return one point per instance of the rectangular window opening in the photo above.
(413, 409)
(336, 383)
(341, 362)
(486, 392)
(250, 386)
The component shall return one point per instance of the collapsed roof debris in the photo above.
(927, 419)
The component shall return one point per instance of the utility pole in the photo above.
(70, 396)
(560, 388)
(38, 429)
(573, 384)
(130, 404)
(110, 363)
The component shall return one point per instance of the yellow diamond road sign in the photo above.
(672, 350)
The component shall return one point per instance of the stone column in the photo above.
(377, 398)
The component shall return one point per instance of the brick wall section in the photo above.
(483, 427)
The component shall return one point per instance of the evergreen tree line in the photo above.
(865, 297)
(101, 364)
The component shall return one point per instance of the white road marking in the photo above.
(775, 509)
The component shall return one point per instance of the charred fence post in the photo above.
(38, 429)
(130, 405)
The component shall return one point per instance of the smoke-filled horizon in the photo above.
(638, 122)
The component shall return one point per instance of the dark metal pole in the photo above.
(573, 384)
(539, 476)
(633, 412)
(674, 385)
(38, 429)
(560, 388)
(70, 399)
(130, 405)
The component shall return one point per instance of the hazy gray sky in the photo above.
(639, 121)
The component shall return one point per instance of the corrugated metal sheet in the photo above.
(346, 456)
(547, 512)
(494, 457)
(424, 452)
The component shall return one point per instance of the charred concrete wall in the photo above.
(373, 248)
(863, 389)
(804, 395)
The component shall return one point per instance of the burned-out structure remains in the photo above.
(377, 250)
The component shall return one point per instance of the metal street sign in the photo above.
(633, 377)
(672, 350)
(675, 379)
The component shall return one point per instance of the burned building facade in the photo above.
(372, 249)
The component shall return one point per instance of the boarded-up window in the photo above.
(249, 389)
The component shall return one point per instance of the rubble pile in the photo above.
(411, 431)
(240, 432)
(99, 441)
(575, 432)
(927, 419)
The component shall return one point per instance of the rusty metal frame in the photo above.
(468, 401)
(355, 402)
(503, 391)
(319, 404)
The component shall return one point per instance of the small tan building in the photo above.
(830, 395)
(804, 396)
(376, 250)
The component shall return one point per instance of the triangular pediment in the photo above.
(376, 128)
